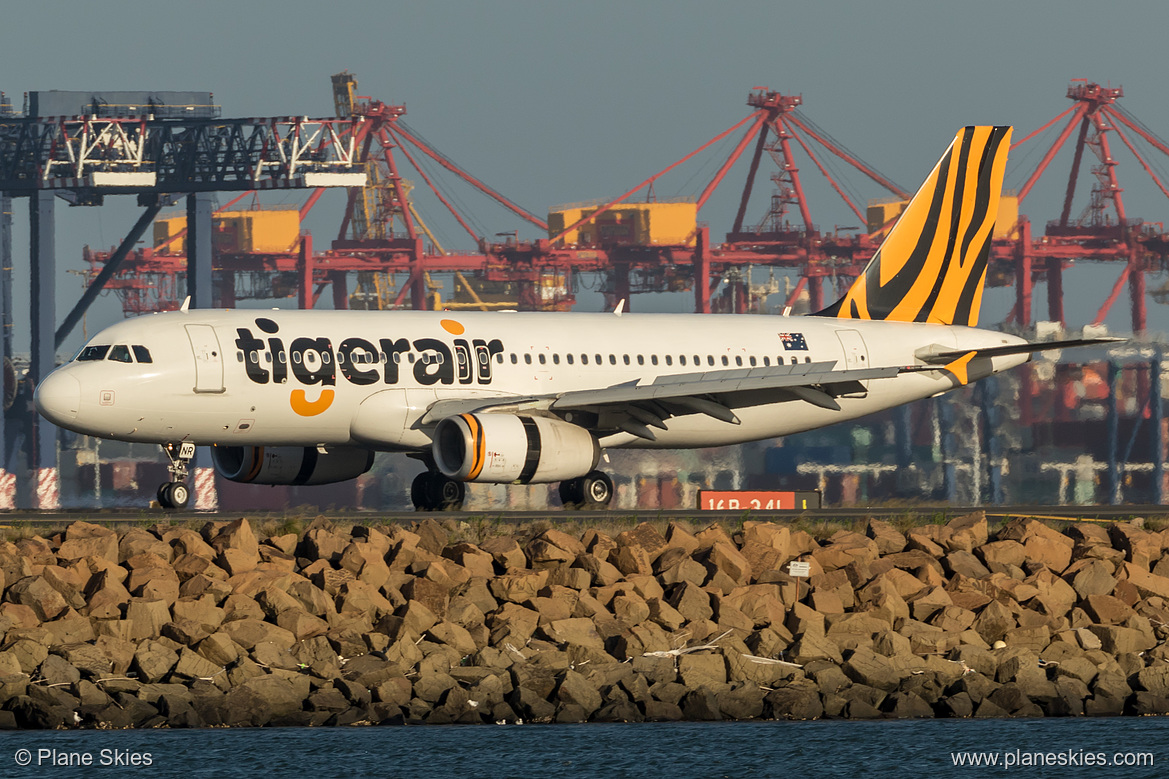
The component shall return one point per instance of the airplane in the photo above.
(307, 397)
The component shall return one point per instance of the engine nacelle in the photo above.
(506, 448)
(290, 464)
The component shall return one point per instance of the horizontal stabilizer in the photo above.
(1002, 351)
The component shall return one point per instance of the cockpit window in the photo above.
(120, 353)
(141, 353)
(93, 353)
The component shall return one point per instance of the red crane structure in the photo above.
(1103, 230)
(383, 239)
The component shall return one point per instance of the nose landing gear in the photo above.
(176, 494)
(594, 490)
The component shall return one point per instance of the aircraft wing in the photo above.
(635, 405)
(683, 385)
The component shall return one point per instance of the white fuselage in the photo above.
(310, 378)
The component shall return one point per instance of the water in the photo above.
(674, 750)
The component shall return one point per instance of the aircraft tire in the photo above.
(420, 493)
(570, 493)
(596, 490)
(174, 495)
(435, 492)
(180, 495)
(448, 493)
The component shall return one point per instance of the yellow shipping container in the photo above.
(558, 220)
(878, 213)
(238, 232)
(165, 228)
(643, 224)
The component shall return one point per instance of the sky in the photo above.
(554, 102)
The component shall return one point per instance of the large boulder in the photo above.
(83, 539)
(40, 596)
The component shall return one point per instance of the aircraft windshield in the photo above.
(121, 353)
(142, 353)
(93, 353)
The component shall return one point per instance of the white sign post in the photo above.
(799, 570)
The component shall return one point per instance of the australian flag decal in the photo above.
(794, 342)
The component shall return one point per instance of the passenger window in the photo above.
(543, 359)
(296, 358)
(710, 359)
(499, 359)
(766, 361)
(612, 359)
(142, 354)
(752, 361)
(653, 358)
(641, 359)
(556, 359)
(627, 359)
(326, 357)
(584, 359)
(807, 359)
(669, 360)
(97, 353)
(281, 358)
(462, 359)
(410, 357)
(514, 359)
(253, 357)
(779, 360)
(598, 358)
(681, 359)
(725, 360)
(239, 356)
(569, 358)
(527, 359)
(120, 353)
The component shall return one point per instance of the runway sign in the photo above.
(757, 500)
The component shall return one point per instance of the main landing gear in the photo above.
(432, 491)
(594, 490)
(176, 494)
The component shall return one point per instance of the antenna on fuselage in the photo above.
(620, 307)
(186, 304)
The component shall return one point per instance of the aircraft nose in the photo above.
(58, 398)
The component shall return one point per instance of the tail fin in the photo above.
(932, 266)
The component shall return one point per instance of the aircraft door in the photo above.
(856, 357)
(208, 358)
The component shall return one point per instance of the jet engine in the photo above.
(507, 448)
(290, 464)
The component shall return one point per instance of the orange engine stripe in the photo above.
(257, 463)
(478, 448)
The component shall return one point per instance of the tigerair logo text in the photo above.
(313, 361)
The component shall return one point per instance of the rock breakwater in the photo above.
(173, 626)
